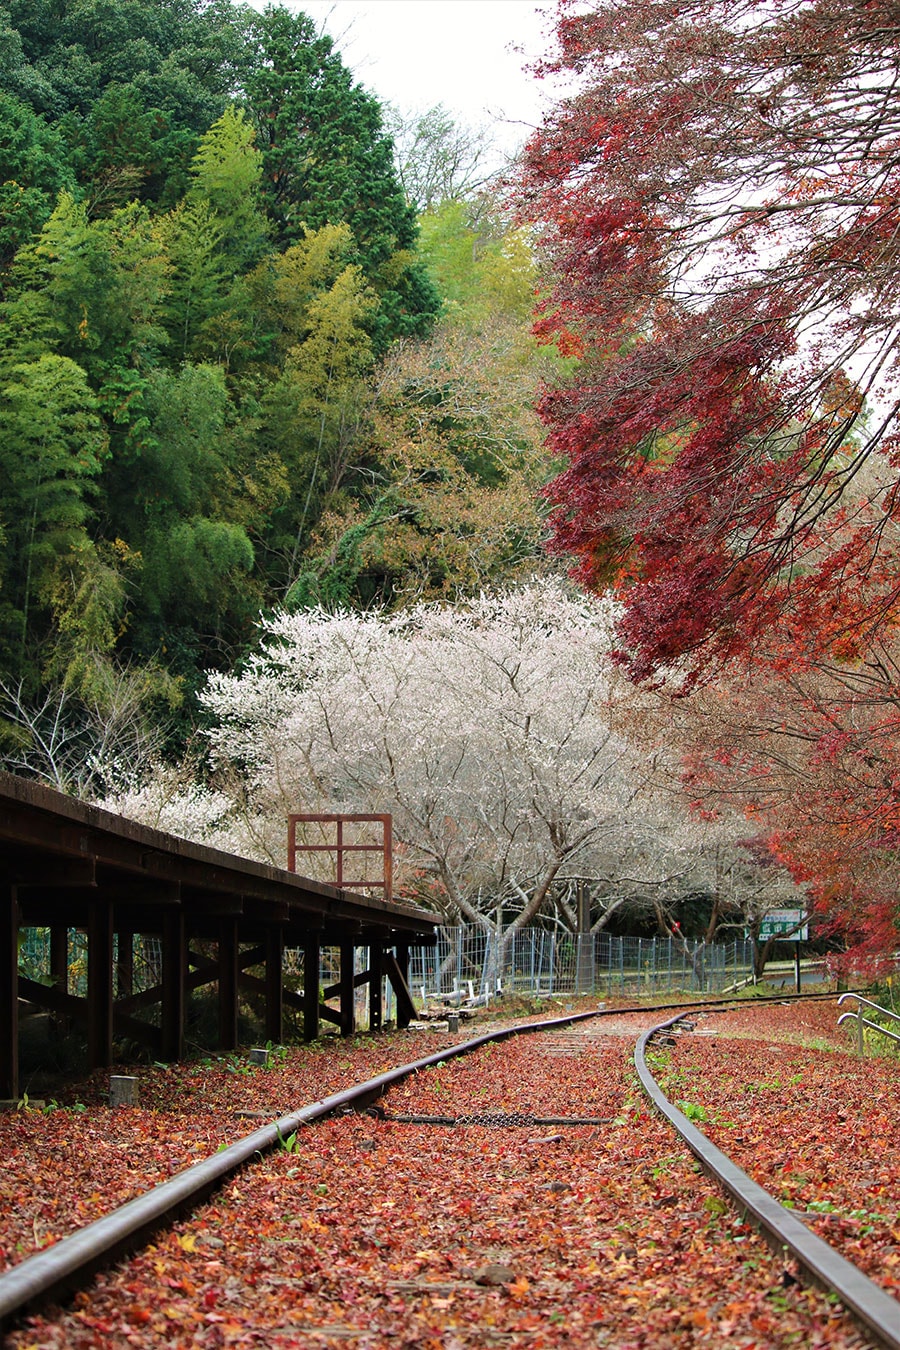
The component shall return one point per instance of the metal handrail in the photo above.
(887, 1012)
(863, 1022)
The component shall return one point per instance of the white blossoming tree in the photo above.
(484, 729)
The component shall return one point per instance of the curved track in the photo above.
(873, 1309)
(70, 1263)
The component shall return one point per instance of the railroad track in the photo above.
(69, 1265)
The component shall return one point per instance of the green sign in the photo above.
(788, 923)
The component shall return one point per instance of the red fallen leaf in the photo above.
(697, 1317)
(140, 1316)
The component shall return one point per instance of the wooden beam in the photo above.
(59, 956)
(254, 956)
(347, 989)
(100, 984)
(9, 991)
(334, 990)
(396, 969)
(375, 978)
(172, 991)
(59, 967)
(54, 1000)
(124, 963)
(58, 873)
(311, 954)
(137, 891)
(41, 908)
(254, 985)
(275, 985)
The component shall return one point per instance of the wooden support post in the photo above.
(59, 970)
(274, 985)
(228, 984)
(396, 973)
(311, 953)
(376, 975)
(125, 963)
(100, 984)
(174, 969)
(59, 957)
(348, 989)
(405, 1010)
(9, 991)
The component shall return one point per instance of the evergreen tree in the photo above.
(33, 170)
(53, 448)
(132, 84)
(327, 159)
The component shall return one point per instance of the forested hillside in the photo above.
(270, 383)
(214, 392)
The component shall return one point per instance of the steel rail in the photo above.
(59, 1269)
(64, 1267)
(874, 1310)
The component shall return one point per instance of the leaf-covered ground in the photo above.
(62, 1167)
(781, 1092)
(371, 1232)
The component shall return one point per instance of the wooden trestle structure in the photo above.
(67, 865)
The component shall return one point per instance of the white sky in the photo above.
(418, 53)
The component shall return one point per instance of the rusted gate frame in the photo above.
(340, 847)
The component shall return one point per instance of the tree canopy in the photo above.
(719, 199)
(203, 228)
(496, 732)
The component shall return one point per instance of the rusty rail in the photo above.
(874, 1310)
(57, 1270)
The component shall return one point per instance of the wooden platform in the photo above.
(67, 865)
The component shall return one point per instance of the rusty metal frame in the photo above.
(339, 848)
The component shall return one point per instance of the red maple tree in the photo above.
(719, 200)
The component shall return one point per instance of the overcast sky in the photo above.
(461, 53)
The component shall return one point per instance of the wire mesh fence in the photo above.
(137, 959)
(468, 962)
(541, 963)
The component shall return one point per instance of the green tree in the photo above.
(481, 265)
(179, 513)
(132, 83)
(227, 172)
(448, 504)
(212, 236)
(33, 170)
(313, 414)
(91, 290)
(52, 453)
(327, 160)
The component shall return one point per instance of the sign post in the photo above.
(793, 926)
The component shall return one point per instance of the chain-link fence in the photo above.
(141, 967)
(542, 962)
(466, 961)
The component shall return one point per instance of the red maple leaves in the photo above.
(721, 263)
(377, 1232)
